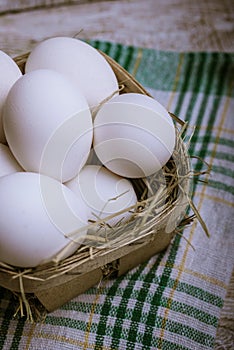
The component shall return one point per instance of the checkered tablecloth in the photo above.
(172, 301)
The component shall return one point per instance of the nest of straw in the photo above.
(163, 199)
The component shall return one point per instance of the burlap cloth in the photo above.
(173, 301)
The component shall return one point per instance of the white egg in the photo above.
(9, 73)
(104, 193)
(37, 212)
(134, 136)
(80, 62)
(48, 124)
(8, 163)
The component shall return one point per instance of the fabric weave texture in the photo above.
(172, 301)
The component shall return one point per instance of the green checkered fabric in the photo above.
(172, 301)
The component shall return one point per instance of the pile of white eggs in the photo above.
(69, 145)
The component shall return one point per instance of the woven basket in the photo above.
(150, 232)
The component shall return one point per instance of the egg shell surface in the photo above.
(37, 212)
(134, 136)
(104, 193)
(79, 61)
(8, 163)
(48, 124)
(9, 73)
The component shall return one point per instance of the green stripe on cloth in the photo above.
(223, 170)
(223, 72)
(191, 81)
(211, 139)
(17, 335)
(222, 155)
(122, 308)
(221, 186)
(172, 301)
(152, 318)
(190, 310)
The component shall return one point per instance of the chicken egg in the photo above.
(37, 213)
(134, 136)
(48, 124)
(104, 193)
(9, 73)
(79, 61)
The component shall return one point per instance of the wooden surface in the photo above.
(9, 6)
(180, 25)
(168, 25)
